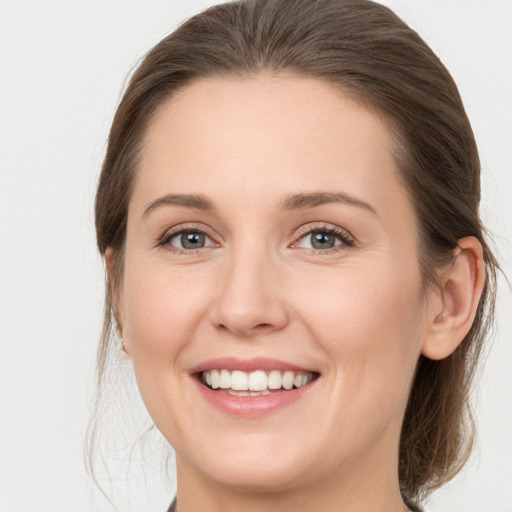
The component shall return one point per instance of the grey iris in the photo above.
(192, 240)
(320, 240)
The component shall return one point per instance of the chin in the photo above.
(252, 465)
(267, 478)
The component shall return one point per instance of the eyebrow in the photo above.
(312, 199)
(299, 201)
(199, 202)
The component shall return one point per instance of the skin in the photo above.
(356, 313)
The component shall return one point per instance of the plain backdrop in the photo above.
(63, 66)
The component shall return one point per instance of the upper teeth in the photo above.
(258, 380)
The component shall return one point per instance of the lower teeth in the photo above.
(246, 393)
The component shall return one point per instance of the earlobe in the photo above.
(461, 288)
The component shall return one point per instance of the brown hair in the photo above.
(367, 51)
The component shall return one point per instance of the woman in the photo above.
(288, 211)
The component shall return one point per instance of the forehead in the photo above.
(264, 135)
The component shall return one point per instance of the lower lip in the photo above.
(252, 406)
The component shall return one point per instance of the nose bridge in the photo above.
(248, 298)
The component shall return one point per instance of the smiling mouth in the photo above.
(256, 383)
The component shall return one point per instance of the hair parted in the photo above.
(366, 51)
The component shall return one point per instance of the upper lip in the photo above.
(247, 365)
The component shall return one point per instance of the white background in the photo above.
(62, 69)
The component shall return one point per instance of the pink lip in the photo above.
(247, 365)
(249, 406)
(252, 406)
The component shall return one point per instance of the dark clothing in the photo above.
(414, 508)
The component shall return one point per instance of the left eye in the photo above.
(189, 240)
(322, 239)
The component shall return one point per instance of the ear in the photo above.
(461, 288)
(114, 287)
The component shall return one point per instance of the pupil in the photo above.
(322, 240)
(192, 240)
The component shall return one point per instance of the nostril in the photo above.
(247, 319)
(247, 332)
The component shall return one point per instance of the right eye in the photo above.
(188, 240)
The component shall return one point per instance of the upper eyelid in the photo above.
(163, 241)
(310, 227)
(181, 228)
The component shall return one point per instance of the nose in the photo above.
(250, 299)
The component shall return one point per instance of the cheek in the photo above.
(370, 322)
(162, 307)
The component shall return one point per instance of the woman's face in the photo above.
(270, 244)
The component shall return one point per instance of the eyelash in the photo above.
(164, 242)
(347, 240)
